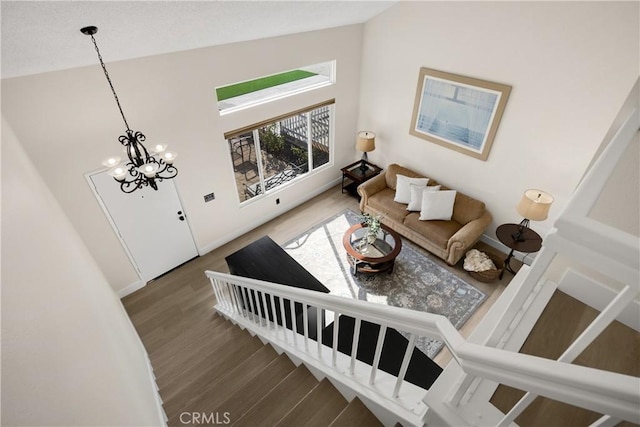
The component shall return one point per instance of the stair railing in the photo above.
(258, 305)
(612, 252)
(269, 309)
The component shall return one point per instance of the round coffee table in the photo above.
(371, 256)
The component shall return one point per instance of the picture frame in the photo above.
(458, 112)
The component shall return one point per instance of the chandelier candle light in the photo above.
(142, 169)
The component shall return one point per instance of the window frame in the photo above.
(253, 128)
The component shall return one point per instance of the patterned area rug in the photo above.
(416, 283)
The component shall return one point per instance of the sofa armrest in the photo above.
(371, 187)
(466, 237)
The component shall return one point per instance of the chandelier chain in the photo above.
(106, 74)
(142, 169)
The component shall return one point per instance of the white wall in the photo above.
(570, 65)
(619, 202)
(69, 353)
(618, 206)
(68, 122)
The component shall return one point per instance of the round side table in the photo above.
(529, 242)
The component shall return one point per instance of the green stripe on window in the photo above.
(238, 89)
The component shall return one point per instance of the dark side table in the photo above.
(529, 242)
(357, 173)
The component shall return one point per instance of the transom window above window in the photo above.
(253, 92)
(277, 152)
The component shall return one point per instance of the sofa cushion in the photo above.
(403, 187)
(466, 209)
(437, 205)
(438, 232)
(415, 204)
(382, 202)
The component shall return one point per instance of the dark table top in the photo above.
(354, 171)
(265, 260)
(532, 242)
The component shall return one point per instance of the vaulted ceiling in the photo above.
(42, 36)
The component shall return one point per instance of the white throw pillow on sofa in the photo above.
(403, 190)
(437, 205)
(415, 204)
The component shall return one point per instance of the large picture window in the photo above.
(268, 155)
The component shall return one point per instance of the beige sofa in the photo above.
(449, 240)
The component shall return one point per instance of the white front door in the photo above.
(152, 224)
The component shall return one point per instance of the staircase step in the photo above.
(214, 367)
(232, 343)
(217, 392)
(206, 336)
(188, 385)
(323, 403)
(275, 404)
(183, 332)
(183, 327)
(356, 414)
(238, 403)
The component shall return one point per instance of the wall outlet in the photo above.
(209, 197)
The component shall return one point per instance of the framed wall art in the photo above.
(458, 112)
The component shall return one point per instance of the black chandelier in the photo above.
(142, 169)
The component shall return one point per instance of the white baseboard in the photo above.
(131, 288)
(239, 232)
(162, 415)
(522, 257)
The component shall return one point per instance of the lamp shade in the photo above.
(366, 141)
(535, 205)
